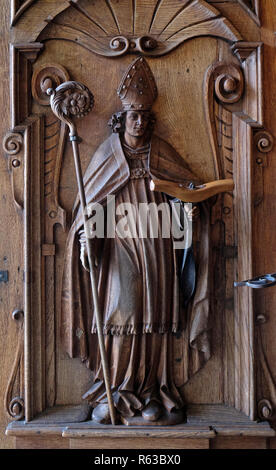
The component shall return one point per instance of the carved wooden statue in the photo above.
(139, 278)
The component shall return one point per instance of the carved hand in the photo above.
(84, 258)
(193, 213)
(83, 251)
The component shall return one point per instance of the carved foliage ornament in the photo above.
(72, 99)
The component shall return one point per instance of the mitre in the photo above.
(138, 89)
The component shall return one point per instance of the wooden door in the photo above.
(212, 62)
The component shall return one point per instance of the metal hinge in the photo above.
(4, 276)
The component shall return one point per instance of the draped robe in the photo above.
(138, 285)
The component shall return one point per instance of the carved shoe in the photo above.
(101, 414)
(152, 411)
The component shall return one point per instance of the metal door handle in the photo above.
(260, 282)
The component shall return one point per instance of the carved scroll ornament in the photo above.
(47, 76)
(266, 411)
(267, 405)
(143, 44)
(225, 82)
(13, 402)
(13, 147)
(263, 141)
(12, 143)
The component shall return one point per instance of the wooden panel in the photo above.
(138, 443)
(41, 443)
(181, 101)
(123, 14)
(217, 443)
(34, 321)
(244, 352)
(11, 236)
(205, 423)
(265, 212)
(144, 11)
(5, 441)
(238, 443)
(272, 443)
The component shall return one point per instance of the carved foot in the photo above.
(152, 411)
(166, 418)
(101, 414)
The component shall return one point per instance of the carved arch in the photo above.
(130, 27)
(252, 9)
(185, 20)
(20, 7)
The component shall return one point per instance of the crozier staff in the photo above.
(74, 98)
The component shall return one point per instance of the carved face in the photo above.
(136, 123)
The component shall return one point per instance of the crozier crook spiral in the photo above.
(71, 99)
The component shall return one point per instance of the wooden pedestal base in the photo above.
(207, 426)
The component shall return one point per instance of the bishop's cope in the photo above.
(154, 299)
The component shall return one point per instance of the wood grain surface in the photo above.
(241, 372)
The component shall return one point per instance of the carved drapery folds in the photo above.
(233, 113)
